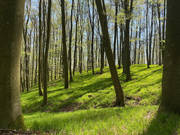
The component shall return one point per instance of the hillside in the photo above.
(87, 106)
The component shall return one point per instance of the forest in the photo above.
(89, 67)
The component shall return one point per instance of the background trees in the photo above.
(137, 36)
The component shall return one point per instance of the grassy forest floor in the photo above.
(86, 107)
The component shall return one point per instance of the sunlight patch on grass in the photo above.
(94, 121)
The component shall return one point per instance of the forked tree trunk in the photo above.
(11, 26)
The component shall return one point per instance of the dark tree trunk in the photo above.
(92, 35)
(104, 26)
(127, 63)
(115, 29)
(120, 46)
(160, 35)
(70, 41)
(40, 48)
(76, 36)
(36, 57)
(139, 53)
(135, 47)
(11, 26)
(150, 37)
(46, 53)
(65, 61)
(147, 33)
(26, 58)
(81, 48)
(171, 72)
(102, 55)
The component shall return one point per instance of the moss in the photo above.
(18, 123)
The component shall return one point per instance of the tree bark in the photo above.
(40, 49)
(70, 41)
(11, 26)
(115, 29)
(171, 71)
(127, 63)
(46, 54)
(104, 26)
(76, 36)
(65, 61)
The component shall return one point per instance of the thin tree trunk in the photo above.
(46, 53)
(115, 29)
(127, 63)
(40, 48)
(147, 34)
(104, 26)
(65, 60)
(76, 34)
(70, 41)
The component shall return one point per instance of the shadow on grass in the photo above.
(163, 124)
(77, 120)
(73, 95)
(56, 90)
(92, 88)
(150, 74)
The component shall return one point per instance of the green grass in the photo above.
(86, 107)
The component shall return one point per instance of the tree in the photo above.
(65, 62)
(171, 72)
(104, 26)
(45, 79)
(76, 36)
(70, 41)
(91, 21)
(40, 48)
(115, 29)
(128, 6)
(159, 30)
(11, 22)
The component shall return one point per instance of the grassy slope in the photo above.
(90, 98)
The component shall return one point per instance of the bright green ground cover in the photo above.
(86, 107)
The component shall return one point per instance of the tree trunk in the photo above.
(115, 29)
(171, 72)
(102, 55)
(127, 63)
(11, 22)
(104, 26)
(92, 34)
(147, 33)
(70, 41)
(135, 46)
(65, 61)
(40, 49)
(76, 36)
(45, 79)
(160, 35)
